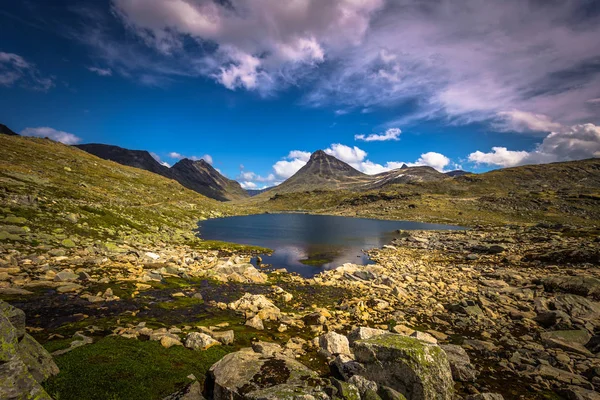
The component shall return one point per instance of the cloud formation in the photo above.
(56, 135)
(568, 143)
(390, 134)
(101, 71)
(14, 70)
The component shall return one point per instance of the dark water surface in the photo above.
(308, 244)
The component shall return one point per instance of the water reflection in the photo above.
(309, 244)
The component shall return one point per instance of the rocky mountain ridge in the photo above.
(198, 176)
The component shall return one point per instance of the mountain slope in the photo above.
(51, 193)
(566, 192)
(133, 158)
(201, 177)
(198, 176)
(7, 131)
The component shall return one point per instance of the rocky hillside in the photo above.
(198, 176)
(201, 177)
(567, 192)
(57, 195)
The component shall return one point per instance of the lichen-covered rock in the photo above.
(39, 362)
(418, 370)
(24, 363)
(15, 316)
(364, 333)
(246, 374)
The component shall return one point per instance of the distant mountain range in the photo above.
(321, 172)
(198, 176)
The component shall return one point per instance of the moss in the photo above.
(181, 302)
(117, 368)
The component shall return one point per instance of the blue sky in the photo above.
(262, 84)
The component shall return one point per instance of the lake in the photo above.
(308, 244)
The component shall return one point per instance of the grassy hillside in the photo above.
(55, 194)
(562, 192)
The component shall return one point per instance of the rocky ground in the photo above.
(513, 311)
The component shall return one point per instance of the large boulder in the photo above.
(247, 374)
(24, 363)
(193, 391)
(418, 370)
(332, 344)
(581, 285)
(578, 307)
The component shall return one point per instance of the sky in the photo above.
(254, 87)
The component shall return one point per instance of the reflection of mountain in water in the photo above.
(309, 244)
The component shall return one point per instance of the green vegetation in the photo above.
(115, 368)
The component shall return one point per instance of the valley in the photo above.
(102, 255)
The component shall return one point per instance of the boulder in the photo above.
(256, 323)
(418, 370)
(246, 374)
(460, 363)
(24, 363)
(200, 341)
(225, 337)
(333, 344)
(364, 333)
(580, 285)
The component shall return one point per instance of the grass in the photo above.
(126, 369)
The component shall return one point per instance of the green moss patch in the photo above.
(125, 369)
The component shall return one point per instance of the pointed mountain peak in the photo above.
(404, 166)
(319, 154)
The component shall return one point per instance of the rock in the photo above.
(362, 384)
(580, 285)
(347, 367)
(267, 348)
(68, 243)
(416, 369)
(578, 393)
(15, 316)
(333, 344)
(256, 323)
(170, 340)
(66, 275)
(200, 341)
(152, 256)
(460, 363)
(345, 390)
(193, 391)
(424, 337)
(577, 306)
(387, 393)
(249, 375)
(69, 287)
(40, 363)
(485, 396)
(225, 337)
(569, 340)
(364, 333)
(548, 372)
(24, 364)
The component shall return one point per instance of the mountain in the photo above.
(5, 130)
(201, 177)
(457, 172)
(133, 158)
(325, 172)
(322, 171)
(198, 176)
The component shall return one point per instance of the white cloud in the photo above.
(248, 185)
(574, 143)
(350, 155)
(101, 71)
(286, 168)
(14, 69)
(58, 136)
(178, 156)
(390, 134)
(499, 156)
